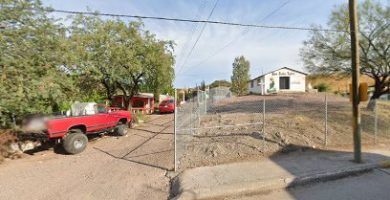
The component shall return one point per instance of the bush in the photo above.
(322, 87)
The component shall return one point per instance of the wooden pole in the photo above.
(356, 119)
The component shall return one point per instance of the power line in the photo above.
(192, 20)
(200, 35)
(192, 31)
(247, 30)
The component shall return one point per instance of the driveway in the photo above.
(130, 167)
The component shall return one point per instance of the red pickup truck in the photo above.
(71, 130)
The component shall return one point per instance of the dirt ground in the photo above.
(236, 128)
(131, 167)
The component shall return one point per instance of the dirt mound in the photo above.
(232, 130)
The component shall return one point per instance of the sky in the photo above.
(214, 53)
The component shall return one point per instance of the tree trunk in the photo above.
(377, 93)
(371, 104)
(127, 102)
(110, 90)
(126, 97)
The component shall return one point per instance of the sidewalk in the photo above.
(276, 172)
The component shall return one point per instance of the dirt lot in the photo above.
(297, 119)
(131, 167)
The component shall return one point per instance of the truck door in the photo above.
(98, 121)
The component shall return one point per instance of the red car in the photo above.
(72, 131)
(167, 106)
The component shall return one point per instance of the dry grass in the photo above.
(385, 164)
(336, 82)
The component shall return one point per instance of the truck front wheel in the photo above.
(122, 129)
(75, 142)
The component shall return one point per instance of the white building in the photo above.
(281, 80)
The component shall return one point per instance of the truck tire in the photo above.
(122, 129)
(75, 142)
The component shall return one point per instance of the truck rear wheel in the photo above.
(75, 142)
(122, 129)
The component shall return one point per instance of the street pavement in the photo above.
(374, 185)
(279, 171)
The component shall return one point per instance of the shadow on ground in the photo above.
(311, 166)
(292, 166)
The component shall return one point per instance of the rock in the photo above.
(14, 148)
(28, 145)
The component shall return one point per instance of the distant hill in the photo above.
(335, 83)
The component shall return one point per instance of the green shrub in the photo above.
(322, 87)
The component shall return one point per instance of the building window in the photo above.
(252, 83)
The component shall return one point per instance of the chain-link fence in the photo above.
(215, 127)
(376, 122)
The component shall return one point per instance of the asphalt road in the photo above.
(130, 167)
(374, 185)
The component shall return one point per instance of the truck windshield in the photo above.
(101, 109)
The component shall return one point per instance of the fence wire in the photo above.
(216, 127)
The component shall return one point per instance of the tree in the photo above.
(158, 66)
(220, 83)
(122, 56)
(329, 52)
(32, 48)
(44, 67)
(203, 85)
(240, 77)
(93, 44)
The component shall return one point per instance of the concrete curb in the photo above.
(264, 185)
(332, 175)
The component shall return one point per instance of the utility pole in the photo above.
(355, 81)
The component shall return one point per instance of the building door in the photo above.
(284, 83)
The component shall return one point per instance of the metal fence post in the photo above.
(376, 121)
(198, 115)
(197, 97)
(263, 123)
(205, 102)
(191, 125)
(175, 131)
(326, 119)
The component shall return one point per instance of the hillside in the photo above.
(336, 83)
